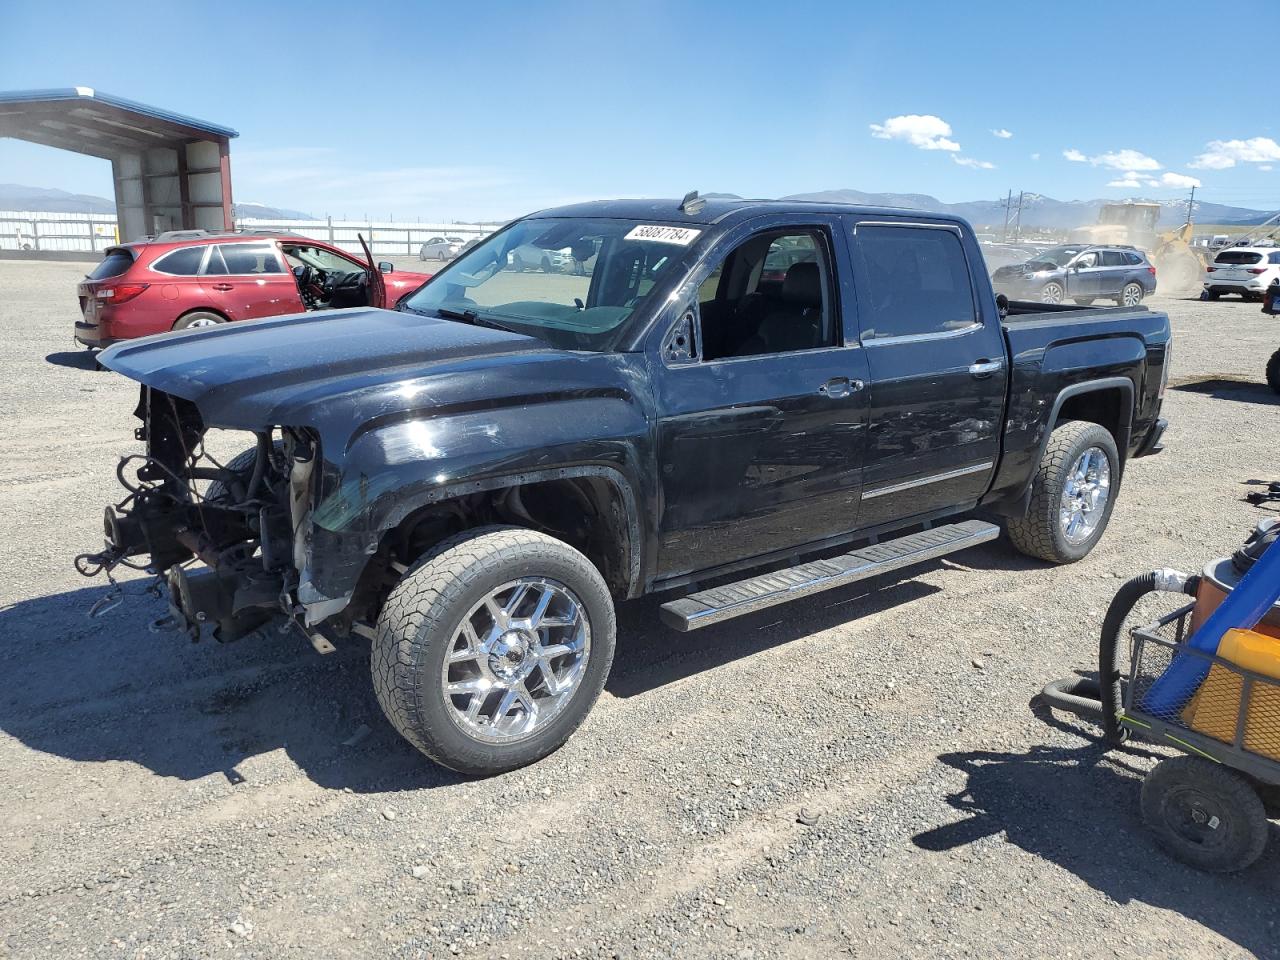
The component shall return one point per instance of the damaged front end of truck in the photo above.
(229, 540)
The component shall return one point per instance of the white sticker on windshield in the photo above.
(660, 234)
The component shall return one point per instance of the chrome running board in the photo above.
(706, 607)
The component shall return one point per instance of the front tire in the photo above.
(1052, 292)
(1072, 494)
(1273, 372)
(1204, 814)
(493, 648)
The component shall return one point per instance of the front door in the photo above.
(1086, 277)
(938, 372)
(761, 423)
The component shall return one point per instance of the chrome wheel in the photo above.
(1085, 496)
(202, 322)
(1052, 293)
(1131, 295)
(516, 660)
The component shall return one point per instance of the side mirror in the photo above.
(386, 266)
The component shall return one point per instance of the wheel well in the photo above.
(590, 513)
(1105, 407)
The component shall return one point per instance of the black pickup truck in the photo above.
(736, 403)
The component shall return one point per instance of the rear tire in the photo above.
(517, 264)
(1131, 295)
(198, 318)
(426, 683)
(1204, 814)
(1273, 372)
(1044, 531)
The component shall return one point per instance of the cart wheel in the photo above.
(1205, 814)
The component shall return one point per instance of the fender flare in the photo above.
(615, 477)
(1124, 429)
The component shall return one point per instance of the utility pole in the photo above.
(1191, 203)
(1008, 204)
(1017, 227)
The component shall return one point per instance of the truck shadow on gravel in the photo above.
(97, 690)
(1223, 387)
(109, 689)
(1077, 807)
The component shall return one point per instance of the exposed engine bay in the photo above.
(245, 520)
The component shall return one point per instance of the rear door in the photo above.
(248, 280)
(938, 371)
(1115, 272)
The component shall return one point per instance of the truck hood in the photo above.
(284, 370)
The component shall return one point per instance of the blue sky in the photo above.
(487, 110)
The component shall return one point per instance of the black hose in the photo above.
(259, 464)
(1122, 604)
(1078, 695)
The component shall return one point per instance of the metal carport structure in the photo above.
(171, 172)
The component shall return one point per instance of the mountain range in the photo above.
(1037, 209)
(16, 196)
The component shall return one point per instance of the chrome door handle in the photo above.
(839, 387)
(222, 286)
(985, 368)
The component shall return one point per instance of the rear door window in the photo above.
(916, 281)
(243, 258)
(1238, 256)
(1112, 258)
(183, 262)
(113, 264)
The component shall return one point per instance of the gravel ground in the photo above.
(160, 799)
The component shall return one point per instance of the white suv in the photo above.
(1247, 271)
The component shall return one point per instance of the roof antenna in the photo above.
(692, 203)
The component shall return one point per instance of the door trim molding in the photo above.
(923, 481)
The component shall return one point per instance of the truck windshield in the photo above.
(572, 282)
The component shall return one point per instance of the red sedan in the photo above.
(193, 279)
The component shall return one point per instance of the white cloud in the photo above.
(1128, 183)
(1223, 154)
(1002, 133)
(1126, 161)
(1178, 180)
(975, 164)
(1035, 156)
(924, 131)
(1265, 166)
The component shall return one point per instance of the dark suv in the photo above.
(1080, 272)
